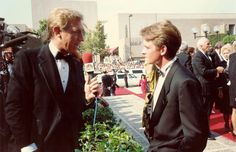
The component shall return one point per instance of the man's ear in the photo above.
(163, 50)
(57, 31)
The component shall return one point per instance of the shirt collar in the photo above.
(203, 52)
(53, 49)
(166, 67)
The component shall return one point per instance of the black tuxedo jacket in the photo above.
(216, 59)
(37, 109)
(205, 72)
(179, 118)
(232, 78)
(186, 60)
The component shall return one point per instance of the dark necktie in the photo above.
(65, 57)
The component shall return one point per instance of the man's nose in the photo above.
(143, 51)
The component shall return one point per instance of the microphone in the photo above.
(87, 58)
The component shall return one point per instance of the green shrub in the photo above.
(106, 135)
(228, 39)
(104, 114)
(103, 138)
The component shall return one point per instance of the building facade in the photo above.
(41, 9)
(123, 30)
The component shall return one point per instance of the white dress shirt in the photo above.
(62, 66)
(161, 79)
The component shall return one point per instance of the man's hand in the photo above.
(220, 69)
(91, 88)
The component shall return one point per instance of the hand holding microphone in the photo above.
(91, 84)
(92, 87)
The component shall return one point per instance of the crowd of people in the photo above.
(210, 64)
(47, 91)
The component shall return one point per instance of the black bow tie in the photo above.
(65, 57)
(159, 72)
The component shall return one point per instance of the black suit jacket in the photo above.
(186, 60)
(36, 105)
(179, 118)
(232, 78)
(205, 72)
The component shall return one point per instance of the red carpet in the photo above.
(124, 91)
(216, 120)
(217, 125)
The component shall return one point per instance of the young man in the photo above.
(47, 92)
(178, 119)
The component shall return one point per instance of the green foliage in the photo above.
(103, 138)
(106, 135)
(224, 38)
(95, 41)
(104, 114)
(42, 27)
(228, 39)
(214, 39)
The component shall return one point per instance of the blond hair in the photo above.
(226, 47)
(60, 17)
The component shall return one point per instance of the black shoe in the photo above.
(227, 129)
(211, 137)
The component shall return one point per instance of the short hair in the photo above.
(60, 17)
(201, 41)
(163, 33)
(218, 45)
(183, 47)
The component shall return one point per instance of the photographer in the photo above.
(6, 62)
(6, 68)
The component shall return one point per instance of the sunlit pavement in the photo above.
(128, 108)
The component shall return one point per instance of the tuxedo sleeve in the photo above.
(18, 107)
(193, 117)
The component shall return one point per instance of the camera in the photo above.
(12, 40)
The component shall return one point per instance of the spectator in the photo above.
(223, 88)
(206, 73)
(114, 85)
(143, 84)
(106, 84)
(126, 78)
(185, 57)
(232, 88)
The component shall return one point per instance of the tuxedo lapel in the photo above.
(162, 101)
(206, 58)
(49, 70)
(72, 76)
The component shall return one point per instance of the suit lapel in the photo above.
(48, 68)
(71, 79)
(209, 62)
(162, 101)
